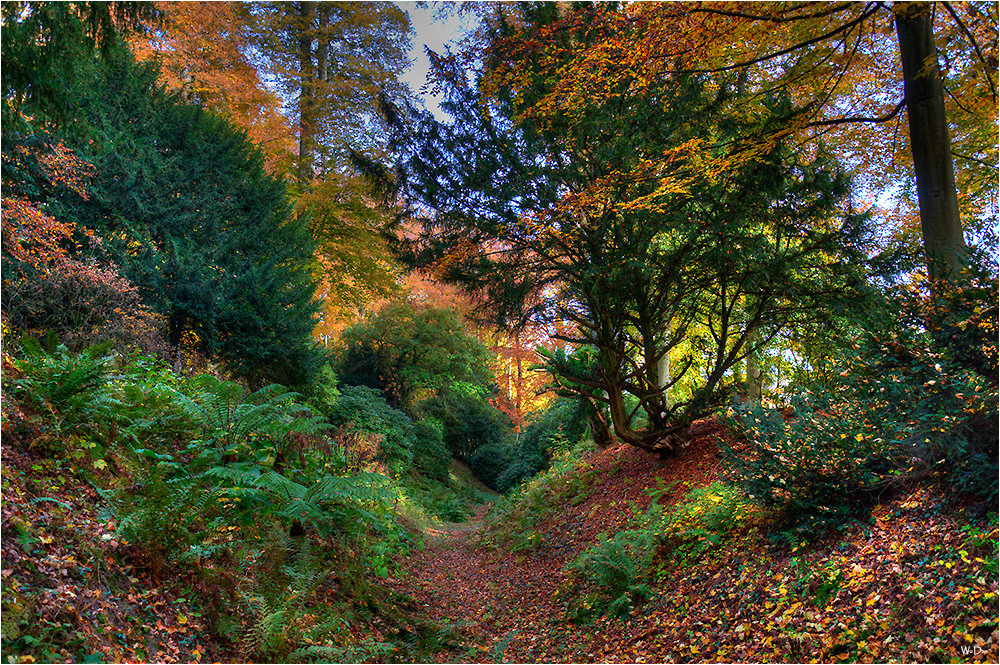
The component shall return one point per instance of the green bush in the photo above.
(819, 467)
(363, 410)
(470, 422)
(430, 455)
(561, 425)
(942, 365)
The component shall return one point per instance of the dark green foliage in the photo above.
(184, 205)
(561, 425)
(940, 366)
(42, 42)
(430, 454)
(360, 409)
(470, 423)
(915, 397)
(823, 464)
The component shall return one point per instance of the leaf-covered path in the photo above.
(492, 599)
(504, 604)
(916, 583)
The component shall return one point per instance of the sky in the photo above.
(435, 24)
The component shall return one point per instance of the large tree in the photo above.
(183, 204)
(851, 68)
(615, 215)
(332, 61)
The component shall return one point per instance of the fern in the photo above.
(333, 503)
(498, 650)
(619, 566)
(62, 385)
(233, 422)
(273, 628)
(168, 516)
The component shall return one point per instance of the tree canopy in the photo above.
(630, 218)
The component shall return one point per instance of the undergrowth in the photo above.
(281, 532)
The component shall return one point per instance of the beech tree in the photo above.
(332, 60)
(205, 52)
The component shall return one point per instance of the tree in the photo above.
(332, 60)
(615, 215)
(839, 61)
(411, 353)
(182, 202)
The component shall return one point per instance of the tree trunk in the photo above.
(307, 97)
(755, 378)
(930, 142)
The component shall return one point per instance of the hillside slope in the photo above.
(916, 583)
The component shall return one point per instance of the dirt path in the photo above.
(501, 603)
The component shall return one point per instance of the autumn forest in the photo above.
(637, 332)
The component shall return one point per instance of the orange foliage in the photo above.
(202, 47)
(81, 300)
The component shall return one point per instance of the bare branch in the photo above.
(847, 27)
(858, 118)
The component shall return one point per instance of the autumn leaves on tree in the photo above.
(664, 189)
(662, 176)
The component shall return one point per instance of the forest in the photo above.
(637, 332)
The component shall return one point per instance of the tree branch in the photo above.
(975, 45)
(847, 27)
(858, 118)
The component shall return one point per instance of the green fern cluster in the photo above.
(169, 517)
(619, 567)
(61, 390)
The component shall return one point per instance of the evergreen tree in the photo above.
(606, 216)
(182, 202)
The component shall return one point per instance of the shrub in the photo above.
(561, 425)
(363, 409)
(84, 303)
(470, 422)
(430, 456)
(942, 367)
(819, 467)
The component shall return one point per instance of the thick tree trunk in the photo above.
(930, 142)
